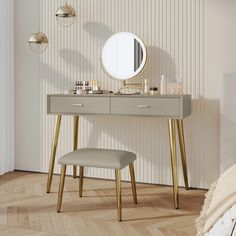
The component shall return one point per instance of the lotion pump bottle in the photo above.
(163, 85)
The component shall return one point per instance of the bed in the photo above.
(218, 215)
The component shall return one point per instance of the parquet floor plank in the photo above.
(25, 208)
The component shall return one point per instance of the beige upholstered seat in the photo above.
(94, 157)
(102, 158)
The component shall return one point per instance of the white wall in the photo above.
(228, 122)
(6, 87)
(222, 52)
(189, 38)
(26, 88)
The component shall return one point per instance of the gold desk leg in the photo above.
(172, 137)
(53, 153)
(61, 187)
(81, 180)
(133, 184)
(118, 194)
(76, 124)
(180, 127)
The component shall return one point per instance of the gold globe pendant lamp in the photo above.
(65, 15)
(38, 42)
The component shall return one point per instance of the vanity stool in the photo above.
(102, 158)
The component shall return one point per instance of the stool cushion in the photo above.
(94, 157)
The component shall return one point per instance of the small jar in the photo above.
(153, 91)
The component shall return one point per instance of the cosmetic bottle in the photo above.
(153, 91)
(95, 85)
(146, 87)
(163, 89)
(179, 86)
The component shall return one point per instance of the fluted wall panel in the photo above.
(173, 31)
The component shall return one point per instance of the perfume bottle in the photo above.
(163, 85)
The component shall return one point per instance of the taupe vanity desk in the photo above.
(124, 57)
(173, 107)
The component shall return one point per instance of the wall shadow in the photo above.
(54, 77)
(76, 60)
(98, 30)
(160, 63)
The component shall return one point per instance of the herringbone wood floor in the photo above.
(25, 208)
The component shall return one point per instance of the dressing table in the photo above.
(173, 107)
(124, 57)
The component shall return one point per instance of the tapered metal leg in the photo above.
(61, 187)
(76, 124)
(81, 180)
(133, 184)
(118, 194)
(53, 152)
(183, 151)
(172, 137)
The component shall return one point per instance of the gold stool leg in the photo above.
(76, 124)
(172, 137)
(53, 152)
(61, 187)
(118, 194)
(74, 171)
(133, 184)
(81, 180)
(180, 127)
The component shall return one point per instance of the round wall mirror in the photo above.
(124, 56)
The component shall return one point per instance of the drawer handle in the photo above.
(143, 106)
(78, 105)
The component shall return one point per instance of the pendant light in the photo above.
(38, 42)
(65, 15)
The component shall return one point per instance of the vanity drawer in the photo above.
(166, 107)
(78, 105)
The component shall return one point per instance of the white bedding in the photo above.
(225, 226)
(219, 210)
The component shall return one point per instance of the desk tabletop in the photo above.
(123, 95)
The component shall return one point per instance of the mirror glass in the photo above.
(124, 56)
